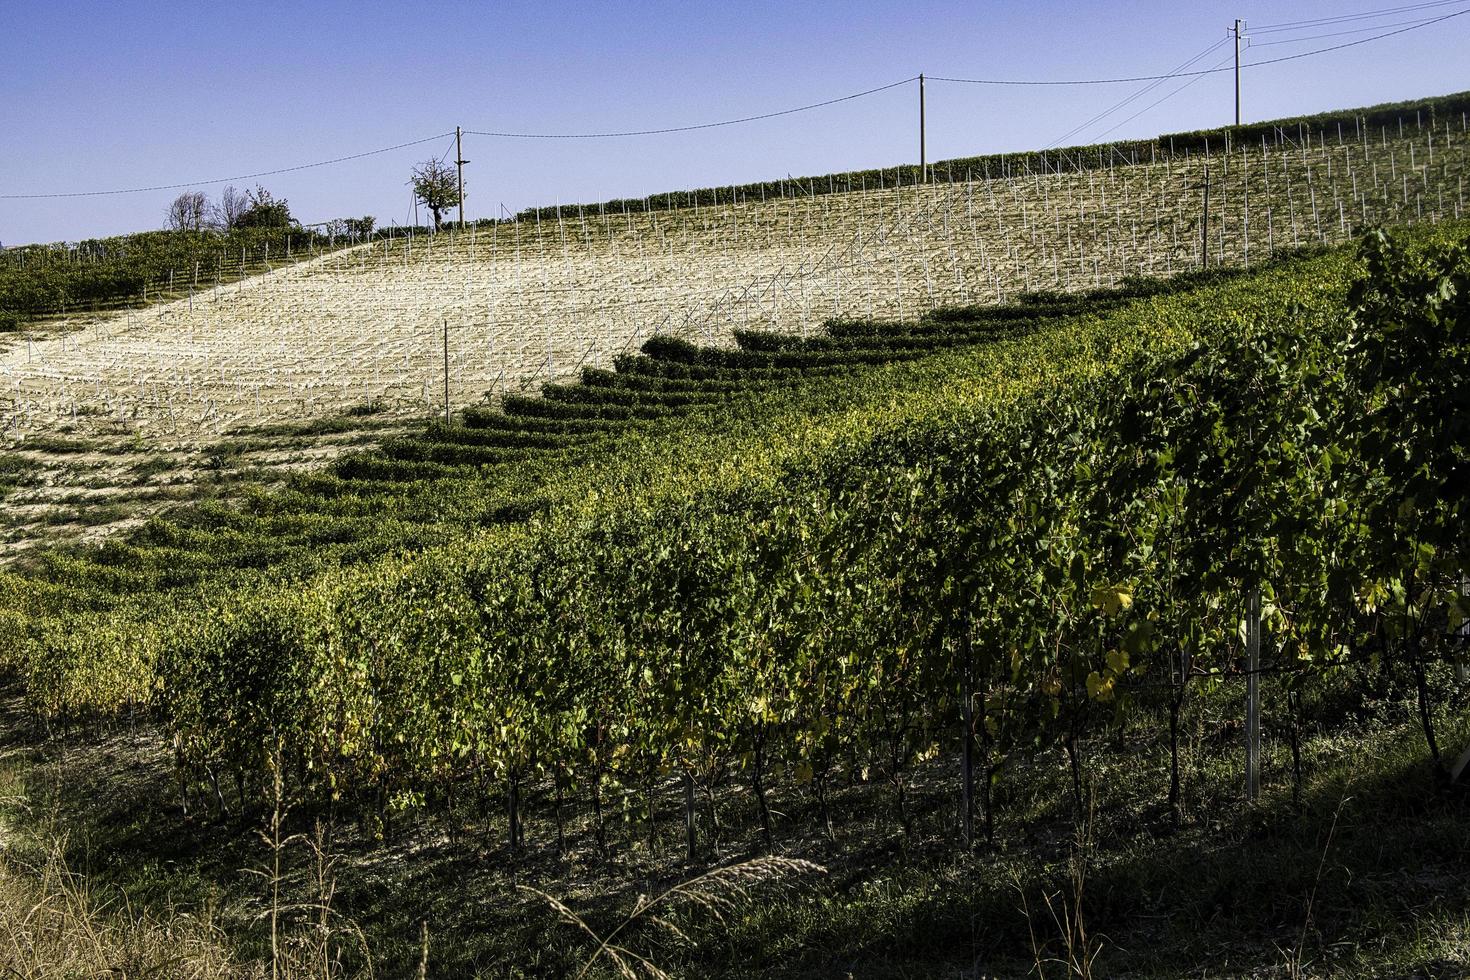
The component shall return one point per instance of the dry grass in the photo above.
(56, 921)
(52, 924)
(719, 893)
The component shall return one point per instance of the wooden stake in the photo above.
(1253, 694)
(1204, 235)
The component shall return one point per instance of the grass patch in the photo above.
(365, 416)
(57, 445)
(18, 470)
(151, 466)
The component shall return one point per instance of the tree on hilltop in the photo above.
(232, 204)
(360, 229)
(264, 211)
(437, 186)
(188, 212)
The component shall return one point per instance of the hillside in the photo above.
(363, 330)
(536, 300)
(890, 567)
(976, 499)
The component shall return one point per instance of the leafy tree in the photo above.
(437, 186)
(352, 229)
(360, 228)
(264, 211)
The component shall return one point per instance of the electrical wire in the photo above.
(815, 105)
(686, 129)
(1151, 105)
(1136, 95)
(1345, 18)
(1207, 71)
(225, 180)
(1314, 37)
(1353, 44)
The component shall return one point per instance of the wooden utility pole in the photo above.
(923, 171)
(1236, 30)
(459, 162)
(967, 746)
(691, 840)
(1239, 24)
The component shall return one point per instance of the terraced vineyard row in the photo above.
(484, 469)
(41, 283)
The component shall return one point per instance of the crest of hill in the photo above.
(1429, 110)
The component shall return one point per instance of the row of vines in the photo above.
(134, 270)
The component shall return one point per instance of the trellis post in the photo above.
(1253, 694)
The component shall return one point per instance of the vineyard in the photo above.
(400, 324)
(41, 283)
(934, 532)
(531, 301)
(776, 569)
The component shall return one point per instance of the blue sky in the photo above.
(96, 96)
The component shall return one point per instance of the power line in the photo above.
(685, 129)
(1314, 37)
(1344, 18)
(226, 180)
(814, 105)
(1198, 77)
(1207, 71)
(1160, 101)
(1353, 44)
(1139, 94)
